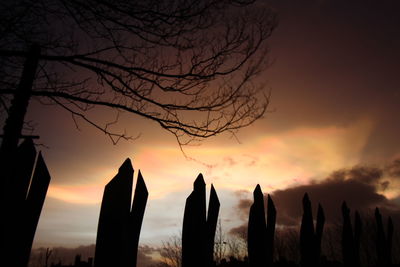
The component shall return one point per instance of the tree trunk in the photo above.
(11, 134)
(15, 121)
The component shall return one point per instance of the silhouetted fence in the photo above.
(121, 219)
(23, 197)
(119, 228)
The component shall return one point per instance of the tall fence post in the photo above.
(380, 242)
(193, 230)
(350, 242)
(257, 231)
(135, 220)
(119, 223)
(271, 221)
(389, 241)
(384, 244)
(27, 189)
(212, 219)
(319, 228)
(260, 234)
(310, 240)
(307, 235)
(198, 231)
(357, 237)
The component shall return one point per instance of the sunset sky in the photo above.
(332, 129)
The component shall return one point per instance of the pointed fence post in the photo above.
(310, 241)
(27, 192)
(389, 241)
(348, 247)
(357, 238)
(307, 239)
(212, 219)
(318, 233)
(384, 244)
(119, 221)
(135, 221)
(194, 223)
(257, 231)
(34, 203)
(271, 221)
(114, 213)
(17, 190)
(380, 246)
(21, 173)
(198, 231)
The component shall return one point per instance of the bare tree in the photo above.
(171, 251)
(48, 255)
(189, 66)
(220, 244)
(237, 242)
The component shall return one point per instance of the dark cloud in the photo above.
(358, 186)
(144, 258)
(330, 52)
(240, 231)
(393, 168)
(244, 204)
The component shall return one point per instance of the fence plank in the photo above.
(194, 226)
(33, 208)
(271, 221)
(112, 231)
(319, 228)
(257, 231)
(12, 238)
(348, 246)
(135, 221)
(212, 219)
(307, 239)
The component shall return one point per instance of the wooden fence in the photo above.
(119, 228)
(23, 198)
(121, 219)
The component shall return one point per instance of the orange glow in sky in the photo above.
(335, 92)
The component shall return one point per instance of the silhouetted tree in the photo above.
(171, 251)
(161, 60)
(220, 244)
(48, 254)
(187, 65)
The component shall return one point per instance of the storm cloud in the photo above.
(362, 188)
